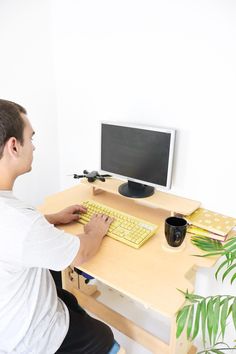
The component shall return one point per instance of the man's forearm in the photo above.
(52, 218)
(89, 245)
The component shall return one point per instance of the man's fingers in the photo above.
(109, 220)
(76, 217)
(79, 209)
(76, 209)
(82, 209)
(106, 218)
(103, 217)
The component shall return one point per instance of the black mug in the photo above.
(175, 230)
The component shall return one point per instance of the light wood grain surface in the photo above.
(151, 274)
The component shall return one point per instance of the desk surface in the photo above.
(150, 275)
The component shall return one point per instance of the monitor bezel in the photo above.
(124, 178)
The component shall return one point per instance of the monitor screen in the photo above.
(142, 154)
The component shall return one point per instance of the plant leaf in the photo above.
(203, 318)
(181, 322)
(228, 271)
(231, 249)
(183, 292)
(229, 243)
(210, 318)
(197, 320)
(209, 254)
(206, 243)
(234, 312)
(220, 267)
(191, 297)
(216, 316)
(230, 310)
(208, 248)
(223, 317)
(233, 278)
(190, 322)
(179, 313)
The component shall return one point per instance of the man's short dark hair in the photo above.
(11, 123)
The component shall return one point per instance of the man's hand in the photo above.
(90, 241)
(66, 215)
(98, 225)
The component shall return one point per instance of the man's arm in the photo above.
(94, 231)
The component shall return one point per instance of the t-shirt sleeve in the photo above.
(48, 247)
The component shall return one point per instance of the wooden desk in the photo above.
(149, 275)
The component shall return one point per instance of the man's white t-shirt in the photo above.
(32, 318)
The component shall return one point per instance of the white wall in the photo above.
(164, 63)
(27, 77)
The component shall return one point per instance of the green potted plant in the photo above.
(208, 316)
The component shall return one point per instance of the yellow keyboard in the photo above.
(125, 228)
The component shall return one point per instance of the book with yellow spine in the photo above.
(212, 222)
(198, 231)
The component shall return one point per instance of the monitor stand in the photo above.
(135, 190)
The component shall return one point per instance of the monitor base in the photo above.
(135, 190)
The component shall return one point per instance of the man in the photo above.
(34, 319)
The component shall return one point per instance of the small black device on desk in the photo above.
(92, 176)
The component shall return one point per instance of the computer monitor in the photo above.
(141, 154)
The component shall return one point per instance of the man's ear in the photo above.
(12, 146)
